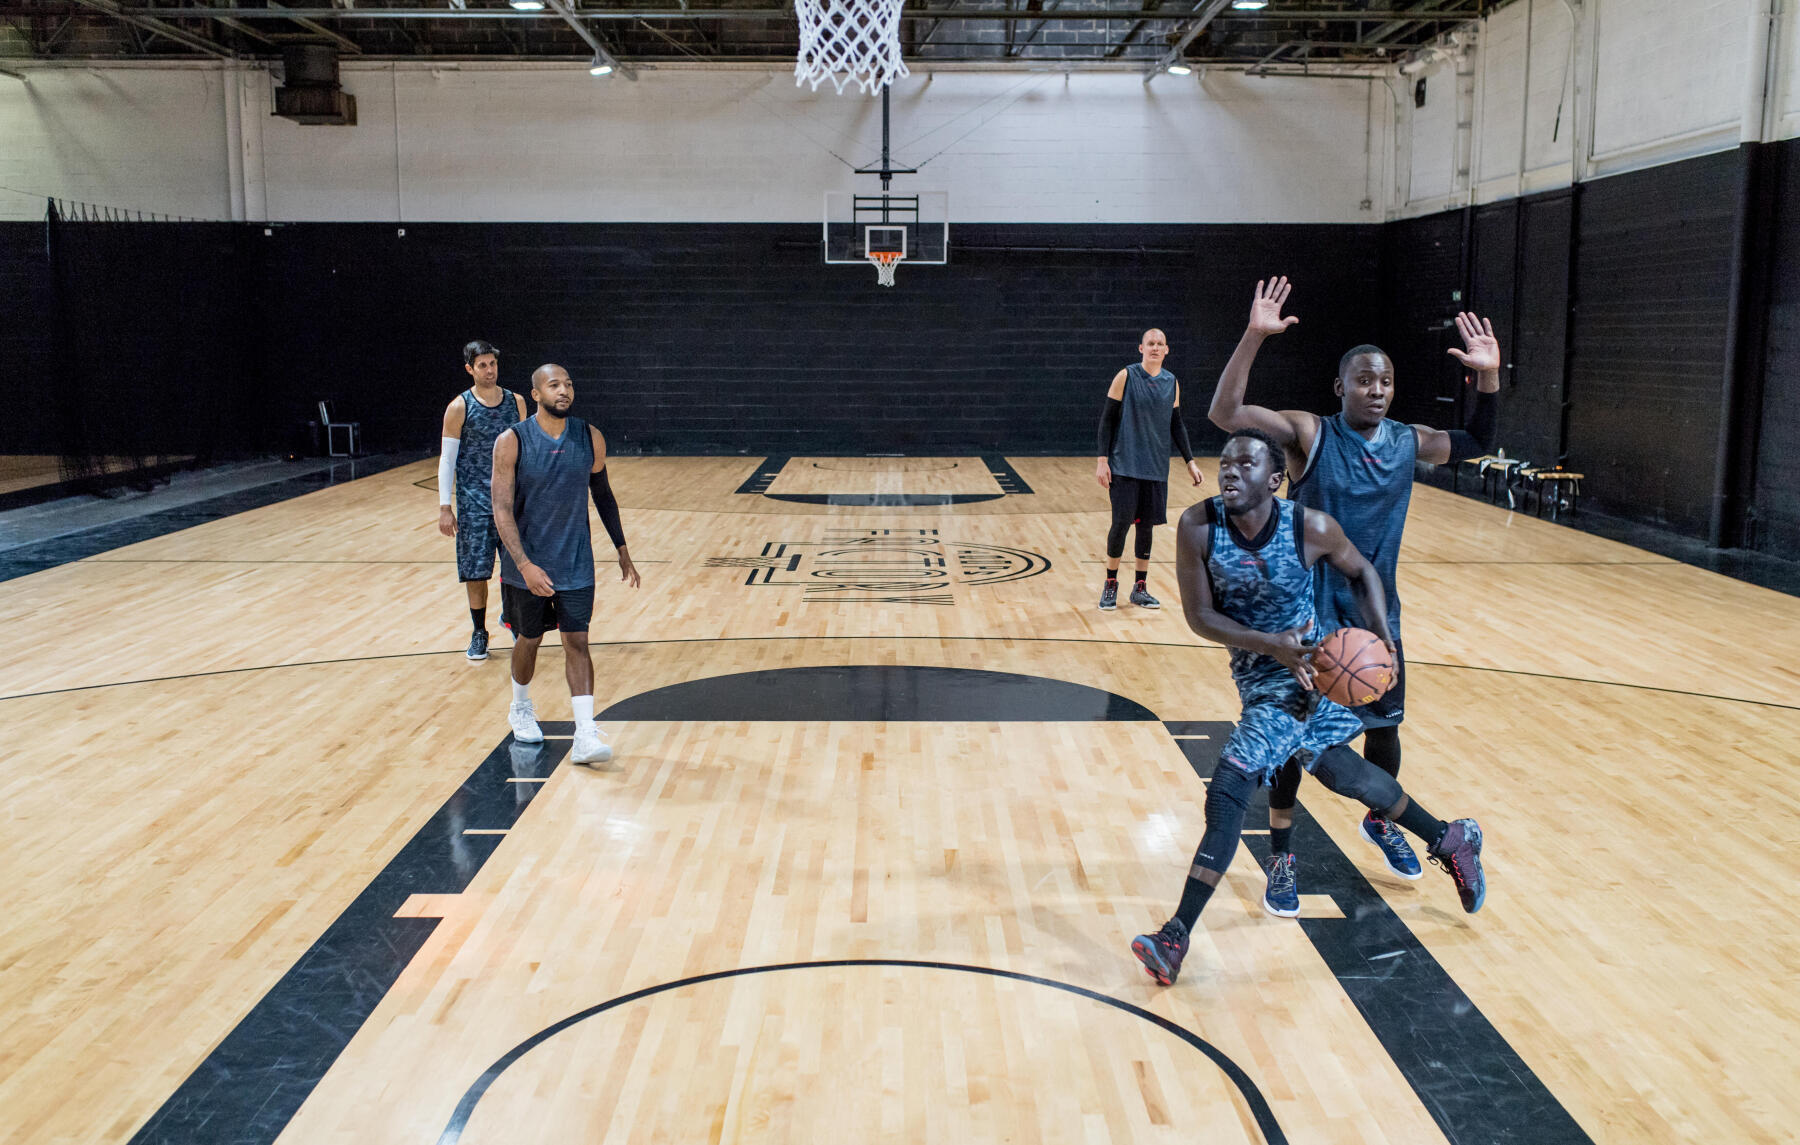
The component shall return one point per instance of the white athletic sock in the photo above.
(521, 693)
(584, 710)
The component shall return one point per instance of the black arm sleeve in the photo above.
(1484, 424)
(608, 506)
(1178, 432)
(1109, 427)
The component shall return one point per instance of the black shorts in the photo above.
(1390, 710)
(1136, 501)
(528, 616)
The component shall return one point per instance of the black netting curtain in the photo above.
(149, 347)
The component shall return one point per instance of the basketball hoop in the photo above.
(849, 41)
(886, 262)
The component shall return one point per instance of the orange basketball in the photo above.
(1353, 667)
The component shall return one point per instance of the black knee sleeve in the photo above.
(1115, 539)
(1143, 541)
(1227, 799)
(1286, 788)
(1381, 747)
(1344, 772)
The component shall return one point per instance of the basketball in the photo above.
(1353, 667)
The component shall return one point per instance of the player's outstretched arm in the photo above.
(1110, 415)
(1193, 543)
(1293, 430)
(608, 507)
(1325, 539)
(1480, 353)
(448, 448)
(506, 464)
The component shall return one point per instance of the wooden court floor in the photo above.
(891, 798)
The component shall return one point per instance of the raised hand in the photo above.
(1483, 353)
(1265, 311)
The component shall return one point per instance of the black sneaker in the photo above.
(1281, 897)
(1142, 598)
(1109, 596)
(1459, 853)
(478, 645)
(1162, 952)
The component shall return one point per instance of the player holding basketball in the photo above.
(545, 468)
(1140, 421)
(1244, 563)
(1357, 466)
(472, 420)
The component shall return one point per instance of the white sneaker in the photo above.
(590, 745)
(523, 718)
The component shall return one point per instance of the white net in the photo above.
(885, 265)
(849, 41)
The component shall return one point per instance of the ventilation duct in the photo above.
(309, 92)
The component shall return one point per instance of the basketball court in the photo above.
(889, 795)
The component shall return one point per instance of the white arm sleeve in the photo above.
(447, 467)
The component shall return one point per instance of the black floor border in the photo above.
(1259, 1105)
(56, 551)
(254, 1081)
(1469, 1078)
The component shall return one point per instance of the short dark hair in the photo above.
(476, 349)
(1355, 352)
(1276, 454)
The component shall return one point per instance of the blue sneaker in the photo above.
(1394, 847)
(1162, 952)
(1282, 897)
(1109, 596)
(1459, 853)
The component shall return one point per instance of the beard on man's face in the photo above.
(559, 409)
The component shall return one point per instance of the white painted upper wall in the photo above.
(1596, 87)
(1667, 72)
(531, 143)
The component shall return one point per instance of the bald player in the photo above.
(1138, 425)
(545, 469)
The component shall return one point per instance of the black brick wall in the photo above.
(716, 338)
(1777, 489)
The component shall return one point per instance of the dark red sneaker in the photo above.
(1459, 853)
(1162, 952)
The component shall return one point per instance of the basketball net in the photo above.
(886, 262)
(849, 41)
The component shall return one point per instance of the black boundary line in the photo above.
(764, 475)
(229, 561)
(1001, 639)
(885, 500)
(252, 1083)
(69, 548)
(1463, 1070)
(1259, 1105)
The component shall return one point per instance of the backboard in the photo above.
(860, 225)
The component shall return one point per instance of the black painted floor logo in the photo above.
(883, 566)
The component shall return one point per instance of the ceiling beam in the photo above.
(561, 8)
(1403, 16)
(140, 18)
(1204, 13)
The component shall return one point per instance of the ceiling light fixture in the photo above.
(527, 5)
(599, 67)
(1249, 5)
(1180, 70)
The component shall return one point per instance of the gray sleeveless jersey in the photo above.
(1143, 447)
(475, 459)
(1367, 486)
(550, 499)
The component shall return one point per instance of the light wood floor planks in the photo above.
(215, 739)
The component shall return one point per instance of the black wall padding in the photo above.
(1777, 493)
(24, 316)
(1421, 273)
(1534, 414)
(1653, 284)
